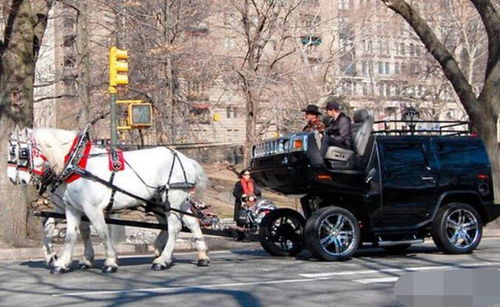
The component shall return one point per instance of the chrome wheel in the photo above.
(462, 228)
(337, 235)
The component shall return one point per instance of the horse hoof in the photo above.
(108, 269)
(203, 262)
(57, 270)
(52, 260)
(160, 267)
(84, 267)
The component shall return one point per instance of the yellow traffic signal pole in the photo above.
(117, 66)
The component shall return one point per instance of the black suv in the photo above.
(394, 189)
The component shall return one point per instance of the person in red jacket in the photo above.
(244, 190)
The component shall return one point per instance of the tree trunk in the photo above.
(18, 52)
(251, 123)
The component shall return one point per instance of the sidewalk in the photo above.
(184, 244)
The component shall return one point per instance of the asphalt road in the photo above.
(246, 277)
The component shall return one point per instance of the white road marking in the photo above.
(397, 270)
(307, 278)
(175, 289)
(376, 280)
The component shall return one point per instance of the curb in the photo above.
(182, 245)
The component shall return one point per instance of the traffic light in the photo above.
(139, 115)
(118, 67)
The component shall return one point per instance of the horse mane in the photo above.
(55, 145)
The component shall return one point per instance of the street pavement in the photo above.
(246, 276)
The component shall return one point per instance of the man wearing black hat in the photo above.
(314, 123)
(339, 133)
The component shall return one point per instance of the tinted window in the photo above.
(461, 154)
(405, 156)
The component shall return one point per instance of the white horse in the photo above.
(146, 171)
(28, 170)
(24, 170)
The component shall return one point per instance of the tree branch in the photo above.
(491, 21)
(441, 54)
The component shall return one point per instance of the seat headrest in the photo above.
(360, 116)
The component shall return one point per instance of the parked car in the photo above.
(394, 189)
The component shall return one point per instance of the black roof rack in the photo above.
(421, 127)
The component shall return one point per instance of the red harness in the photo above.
(83, 161)
(121, 160)
(85, 156)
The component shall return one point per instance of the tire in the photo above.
(328, 224)
(281, 232)
(457, 228)
(397, 249)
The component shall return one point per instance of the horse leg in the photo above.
(88, 256)
(199, 242)
(73, 218)
(96, 217)
(49, 225)
(164, 261)
(161, 239)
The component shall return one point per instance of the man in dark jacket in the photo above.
(339, 133)
(314, 123)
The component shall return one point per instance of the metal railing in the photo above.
(421, 127)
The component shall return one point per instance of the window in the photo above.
(364, 68)
(403, 157)
(69, 40)
(69, 22)
(397, 68)
(387, 68)
(402, 49)
(381, 89)
(344, 4)
(310, 21)
(365, 89)
(457, 154)
(311, 40)
(412, 50)
(380, 68)
(418, 51)
(231, 112)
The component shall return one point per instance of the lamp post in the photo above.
(410, 115)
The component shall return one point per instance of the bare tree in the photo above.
(23, 27)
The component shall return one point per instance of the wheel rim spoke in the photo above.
(464, 226)
(452, 224)
(455, 237)
(340, 222)
(337, 244)
(467, 239)
(336, 238)
(470, 226)
(327, 240)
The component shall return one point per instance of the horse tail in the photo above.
(201, 182)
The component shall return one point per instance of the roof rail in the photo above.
(421, 127)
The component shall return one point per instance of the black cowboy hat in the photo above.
(312, 109)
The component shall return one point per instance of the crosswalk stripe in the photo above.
(376, 280)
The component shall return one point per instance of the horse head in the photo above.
(30, 163)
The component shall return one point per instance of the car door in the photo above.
(409, 176)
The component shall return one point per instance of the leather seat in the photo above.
(361, 130)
